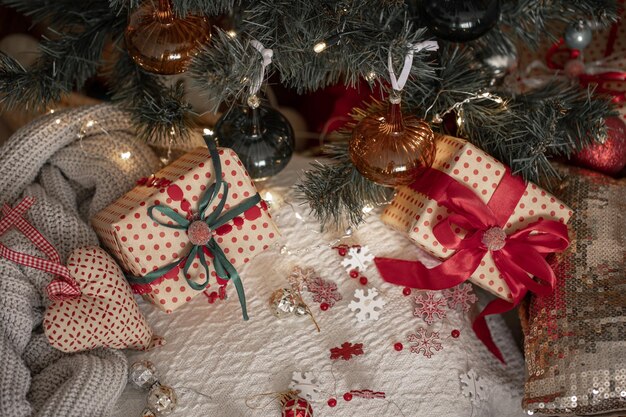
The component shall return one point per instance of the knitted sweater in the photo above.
(74, 163)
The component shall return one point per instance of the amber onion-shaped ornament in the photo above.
(162, 43)
(391, 149)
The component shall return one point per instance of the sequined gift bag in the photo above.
(575, 339)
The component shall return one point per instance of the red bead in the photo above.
(324, 306)
(363, 281)
(398, 346)
(347, 396)
(332, 402)
(406, 291)
(455, 333)
(343, 251)
(354, 273)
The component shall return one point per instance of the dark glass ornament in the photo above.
(260, 135)
(460, 20)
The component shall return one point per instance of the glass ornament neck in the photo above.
(164, 12)
(394, 118)
(254, 128)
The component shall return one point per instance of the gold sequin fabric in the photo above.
(575, 340)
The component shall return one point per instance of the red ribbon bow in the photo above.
(516, 255)
(63, 286)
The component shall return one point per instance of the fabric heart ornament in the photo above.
(92, 304)
(103, 313)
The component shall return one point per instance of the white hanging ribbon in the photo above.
(267, 55)
(398, 83)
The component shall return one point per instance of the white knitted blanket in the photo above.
(216, 361)
(74, 163)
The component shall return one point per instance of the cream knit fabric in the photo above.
(74, 163)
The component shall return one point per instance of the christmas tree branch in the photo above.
(161, 114)
(185, 7)
(68, 58)
(337, 194)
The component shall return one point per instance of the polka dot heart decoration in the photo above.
(104, 314)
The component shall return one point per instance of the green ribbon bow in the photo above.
(223, 267)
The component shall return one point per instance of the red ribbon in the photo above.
(63, 286)
(519, 254)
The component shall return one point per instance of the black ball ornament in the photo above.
(260, 135)
(460, 20)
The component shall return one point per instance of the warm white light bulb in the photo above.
(319, 47)
(207, 132)
(125, 155)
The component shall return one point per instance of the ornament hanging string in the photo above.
(398, 83)
(267, 55)
(274, 396)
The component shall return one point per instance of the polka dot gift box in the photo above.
(188, 227)
(414, 213)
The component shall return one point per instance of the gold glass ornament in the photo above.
(162, 43)
(390, 149)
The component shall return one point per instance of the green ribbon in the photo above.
(223, 267)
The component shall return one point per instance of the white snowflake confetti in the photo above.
(306, 383)
(462, 296)
(424, 343)
(323, 291)
(428, 307)
(357, 258)
(368, 305)
(472, 387)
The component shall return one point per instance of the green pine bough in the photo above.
(525, 133)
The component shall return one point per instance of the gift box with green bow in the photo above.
(188, 227)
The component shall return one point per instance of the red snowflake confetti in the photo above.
(323, 291)
(425, 343)
(346, 351)
(299, 277)
(428, 307)
(461, 295)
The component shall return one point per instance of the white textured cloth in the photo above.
(72, 163)
(215, 361)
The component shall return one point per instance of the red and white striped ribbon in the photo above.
(61, 288)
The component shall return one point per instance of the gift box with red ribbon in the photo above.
(188, 227)
(486, 225)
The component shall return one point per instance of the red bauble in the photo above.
(608, 157)
(297, 407)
